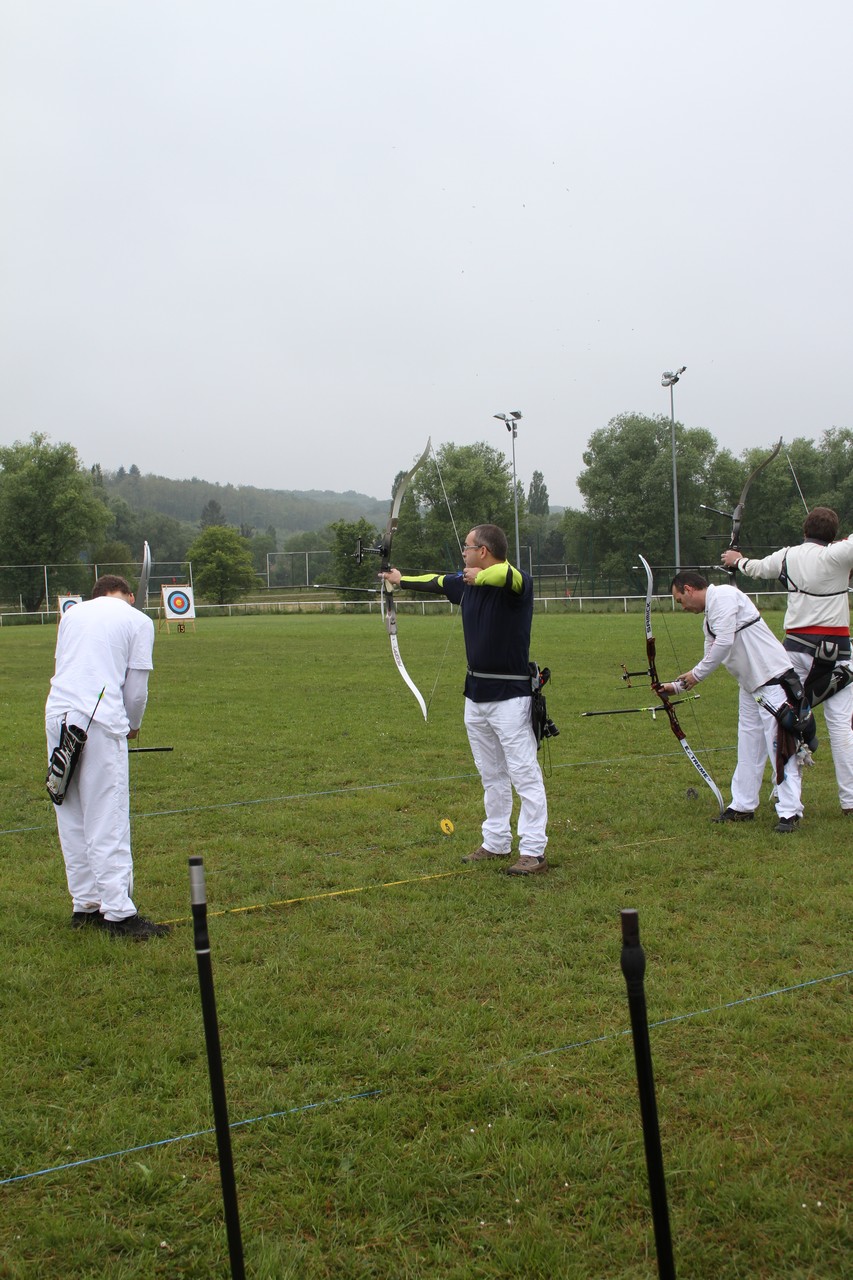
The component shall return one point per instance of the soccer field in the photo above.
(427, 1063)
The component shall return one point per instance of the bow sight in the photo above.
(361, 550)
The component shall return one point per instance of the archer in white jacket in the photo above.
(816, 575)
(738, 638)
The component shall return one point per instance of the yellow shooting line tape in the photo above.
(332, 893)
(638, 844)
(388, 884)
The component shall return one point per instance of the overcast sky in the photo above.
(281, 242)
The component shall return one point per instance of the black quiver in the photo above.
(63, 760)
(543, 725)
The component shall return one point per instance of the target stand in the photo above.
(64, 603)
(178, 606)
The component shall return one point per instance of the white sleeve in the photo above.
(720, 630)
(141, 652)
(135, 695)
(769, 567)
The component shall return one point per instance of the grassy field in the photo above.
(427, 1063)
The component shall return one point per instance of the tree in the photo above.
(537, 497)
(260, 546)
(222, 564)
(835, 487)
(117, 557)
(312, 540)
(628, 490)
(477, 482)
(212, 515)
(345, 571)
(49, 513)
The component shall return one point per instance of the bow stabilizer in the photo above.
(631, 711)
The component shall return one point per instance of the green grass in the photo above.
(353, 954)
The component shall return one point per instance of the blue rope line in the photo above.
(376, 786)
(243, 804)
(679, 1017)
(578, 1044)
(199, 1133)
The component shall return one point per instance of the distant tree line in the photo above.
(285, 510)
(53, 511)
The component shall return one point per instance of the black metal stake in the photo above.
(198, 898)
(634, 968)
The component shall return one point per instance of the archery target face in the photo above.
(66, 602)
(178, 602)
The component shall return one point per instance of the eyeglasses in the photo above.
(471, 546)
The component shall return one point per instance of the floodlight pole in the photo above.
(511, 421)
(669, 379)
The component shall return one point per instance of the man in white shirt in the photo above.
(816, 575)
(737, 637)
(102, 644)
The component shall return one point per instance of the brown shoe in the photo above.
(481, 855)
(527, 866)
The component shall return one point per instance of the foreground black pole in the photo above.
(634, 968)
(137, 750)
(198, 898)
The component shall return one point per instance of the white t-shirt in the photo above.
(99, 642)
(738, 638)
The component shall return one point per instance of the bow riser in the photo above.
(666, 704)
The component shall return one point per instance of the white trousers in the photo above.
(504, 748)
(837, 712)
(756, 740)
(94, 824)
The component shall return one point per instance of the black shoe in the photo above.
(87, 920)
(785, 826)
(137, 927)
(734, 815)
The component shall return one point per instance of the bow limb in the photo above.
(387, 606)
(651, 653)
(737, 514)
(142, 590)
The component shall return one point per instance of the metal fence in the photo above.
(624, 603)
(78, 578)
